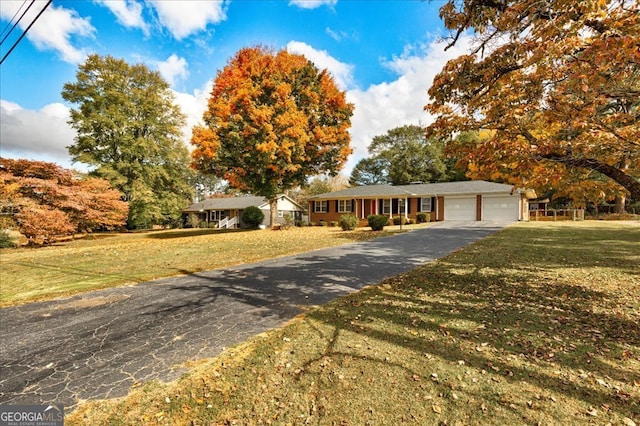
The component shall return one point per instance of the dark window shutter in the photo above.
(409, 206)
(313, 206)
(433, 203)
(419, 205)
(337, 206)
(353, 206)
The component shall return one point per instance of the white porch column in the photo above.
(362, 210)
(406, 208)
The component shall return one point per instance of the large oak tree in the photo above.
(557, 82)
(273, 120)
(129, 131)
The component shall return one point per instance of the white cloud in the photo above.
(341, 72)
(193, 106)
(53, 30)
(128, 13)
(183, 18)
(174, 67)
(385, 106)
(382, 107)
(39, 135)
(312, 4)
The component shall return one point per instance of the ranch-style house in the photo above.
(227, 212)
(467, 200)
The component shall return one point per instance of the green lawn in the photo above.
(108, 260)
(538, 324)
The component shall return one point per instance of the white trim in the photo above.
(384, 201)
(342, 206)
(324, 206)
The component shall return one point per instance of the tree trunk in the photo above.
(619, 204)
(273, 211)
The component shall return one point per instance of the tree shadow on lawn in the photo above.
(544, 324)
(567, 248)
(533, 327)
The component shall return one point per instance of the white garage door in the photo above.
(460, 208)
(503, 208)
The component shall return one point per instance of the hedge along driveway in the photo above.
(100, 344)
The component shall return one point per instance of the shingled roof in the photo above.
(418, 190)
(231, 203)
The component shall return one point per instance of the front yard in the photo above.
(109, 260)
(538, 324)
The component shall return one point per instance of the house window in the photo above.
(280, 213)
(386, 206)
(425, 204)
(321, 206)
(344, 206)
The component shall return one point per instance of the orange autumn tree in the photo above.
(46, 201)
(557, 82)
(272, 121)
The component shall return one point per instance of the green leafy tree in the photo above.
(370, 171)
(206, 186)
(402, 156)
(273, 120)
(128, 130)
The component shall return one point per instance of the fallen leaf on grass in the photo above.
(436, 408)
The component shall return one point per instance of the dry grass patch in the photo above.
(109, 260)
(538, 324)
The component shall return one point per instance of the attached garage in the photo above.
(501, 208)
(460, 208)
(470, 201)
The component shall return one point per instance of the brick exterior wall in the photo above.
(371, 207)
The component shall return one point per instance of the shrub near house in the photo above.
(252, 216)
(349, 222)
(377, 221)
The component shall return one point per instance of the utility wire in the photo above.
(24, 33)
(14, 17)
(19, 19)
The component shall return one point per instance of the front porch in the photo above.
(405, 207)
(221, 219)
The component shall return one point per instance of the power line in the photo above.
(14, 16)
(24, 33)
(19, 19)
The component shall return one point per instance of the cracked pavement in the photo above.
(99, 344)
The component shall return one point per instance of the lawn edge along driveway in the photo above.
(99, 344)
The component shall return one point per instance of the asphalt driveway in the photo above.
(99, 344)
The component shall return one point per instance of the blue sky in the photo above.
(384, 54)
